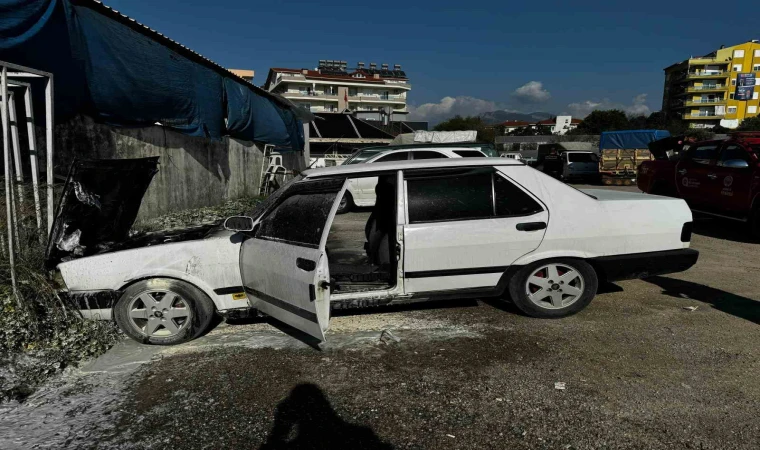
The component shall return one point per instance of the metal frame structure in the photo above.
(9, 79)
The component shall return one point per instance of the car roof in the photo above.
(404, 165)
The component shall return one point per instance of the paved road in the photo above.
(640, 371)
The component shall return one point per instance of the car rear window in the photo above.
(361, 156)
(425, 154)
(469, 153)
(582, 157)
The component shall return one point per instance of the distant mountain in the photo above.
(502, 116)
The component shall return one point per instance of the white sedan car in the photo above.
(440, 229)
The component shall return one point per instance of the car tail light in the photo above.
(686, 232)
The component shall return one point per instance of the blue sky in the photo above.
(465, 57)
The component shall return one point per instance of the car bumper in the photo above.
(642, 265)
(96, 305)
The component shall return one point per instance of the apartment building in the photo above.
(714, 89)
(370, 93)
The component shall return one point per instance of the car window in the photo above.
(703, 154)
(361, 156)
(300, 218)
(397, 156)
(463, 195)
(469, 153)
(582, 157)
(425, 154)
(733, 151)
(510, 200)
(444, 196)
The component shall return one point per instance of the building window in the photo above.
(737, 67)
(756, 68)
(755, 95)
(731, 110)
(751, 109)
(733, 82)
(731, 96)
(738, 53)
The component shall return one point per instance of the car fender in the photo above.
(540, 255)
(177, 275)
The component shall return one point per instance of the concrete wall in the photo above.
(193, 172)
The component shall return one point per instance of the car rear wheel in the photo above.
(554, 288)
(754, 223)
(163, 311)
(346, 203)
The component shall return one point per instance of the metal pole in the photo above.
(16, 149)
(7, 160)
(49, 144)
(30, 131)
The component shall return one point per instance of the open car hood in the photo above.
(98, 206)
(660, 147)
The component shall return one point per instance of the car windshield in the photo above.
(362, 155)
(582, 157)
(262, 207)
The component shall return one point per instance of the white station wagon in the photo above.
(440, 229)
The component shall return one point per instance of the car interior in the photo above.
(361, 246)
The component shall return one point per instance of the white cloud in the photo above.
(637, 107)
(449, 107)
(531, 92)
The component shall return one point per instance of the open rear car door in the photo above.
(284, 264)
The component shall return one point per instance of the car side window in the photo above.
(703, 154)
(425, 154)
(510, 200)
(465, 195)
(732, 152)
(469, 153)
(300, 218)
(397, 156)
(445, 196)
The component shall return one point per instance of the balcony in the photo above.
(705, 101)
(315, 95)
(702, 115)
(708, 61)
(710, 74)
(709, 87)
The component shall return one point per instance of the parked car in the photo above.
(718, 177)
(361, 191)
(512, 155)
(440, 229)
(572, 165)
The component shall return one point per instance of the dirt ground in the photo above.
(639, 371)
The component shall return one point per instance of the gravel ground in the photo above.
(639, 371)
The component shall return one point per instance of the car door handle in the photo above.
(306, 264)
(682, 171)
(530, 226)
(712, 176)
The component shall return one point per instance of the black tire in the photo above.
(346, 203)
(199, 307)
(518, 287)
(754, 223)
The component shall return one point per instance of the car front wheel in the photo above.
(554, 288)
(163, 311)
(346, 203)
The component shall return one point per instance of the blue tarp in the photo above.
(630, 138)
(122, 75)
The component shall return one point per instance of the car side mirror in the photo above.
(735, 163)
(238, 223)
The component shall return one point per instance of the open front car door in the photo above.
(284, 264)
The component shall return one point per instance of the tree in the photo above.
(750, 124)
(486, 132)
(598, 121)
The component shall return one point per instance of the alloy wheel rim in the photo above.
(159, 313)
(555, 286)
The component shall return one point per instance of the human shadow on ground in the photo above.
(727, 302)
(306, 420)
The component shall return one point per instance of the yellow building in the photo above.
(703, 90)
